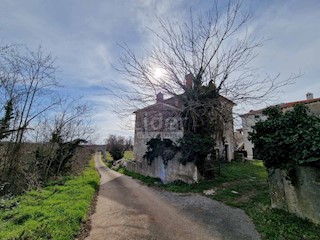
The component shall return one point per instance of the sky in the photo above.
(84, 37)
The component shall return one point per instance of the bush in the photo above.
(117, 145)
(288, 139)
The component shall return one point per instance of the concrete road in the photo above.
(126, 209)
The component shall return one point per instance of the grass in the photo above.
(244, 185)
(128, 155)
(54, 212)
(149, 181)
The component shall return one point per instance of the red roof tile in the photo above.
(282, 105)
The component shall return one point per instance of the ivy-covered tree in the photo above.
(5, 121)
(203, 124)
(288, 139)
(56, 157)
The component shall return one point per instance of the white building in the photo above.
(249, 119)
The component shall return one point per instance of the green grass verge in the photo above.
(127, 155)
(244, 185)
(149, 181)
(55, 212)
(108, 156)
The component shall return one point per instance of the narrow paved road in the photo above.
(127, 209)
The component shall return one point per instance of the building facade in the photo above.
(164, 119)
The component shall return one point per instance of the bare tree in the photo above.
(215, 46)
(27, 78)
(216, 50)
(40, 131)
(68, 125)
(129, 143)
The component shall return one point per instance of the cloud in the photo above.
(293, 45)
(84, 37)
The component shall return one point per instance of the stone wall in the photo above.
(301, 199)
(173, 171)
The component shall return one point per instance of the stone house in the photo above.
(249, 119)
(163, 119)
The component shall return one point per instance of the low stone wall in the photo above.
(174, 170)
(302, 199)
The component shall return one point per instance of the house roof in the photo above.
(167, 102)
(282, 106)
(157, 104)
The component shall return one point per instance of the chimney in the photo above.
(159, 97)
(309, 96)
(189, 80)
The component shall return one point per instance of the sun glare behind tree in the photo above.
(158, 73)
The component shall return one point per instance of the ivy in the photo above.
(196, 148)
(202, 123)
(289, 139)
(5, 121)
(164, 148)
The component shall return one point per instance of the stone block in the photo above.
(302, 198)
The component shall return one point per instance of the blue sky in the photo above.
(84, 38)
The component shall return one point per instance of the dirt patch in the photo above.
(232, 184)
(245, 198)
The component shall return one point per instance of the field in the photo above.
(128, 155)
(54, 212)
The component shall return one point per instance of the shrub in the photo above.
(288, 139)
(117, 145)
